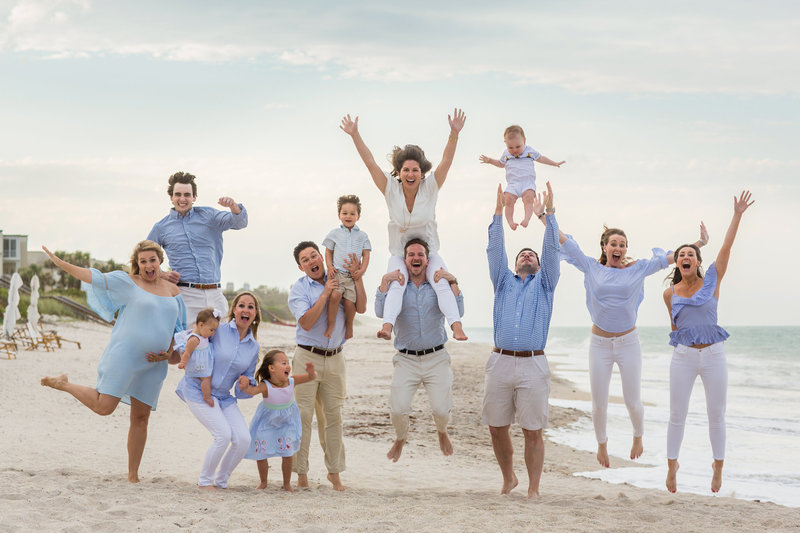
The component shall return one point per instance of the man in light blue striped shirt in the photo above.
(517, 376)
(192, 238)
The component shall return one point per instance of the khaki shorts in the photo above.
(516, 386)
(346, 285)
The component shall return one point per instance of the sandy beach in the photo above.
(64, 468)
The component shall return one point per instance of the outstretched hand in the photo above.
(498, 208)
(312, 373)
(157, 357)
(703, 233)
(741, 204)
(547, 197)
(53, 257)
(349, 126)
(457, 121)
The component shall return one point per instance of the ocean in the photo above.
(763, 423)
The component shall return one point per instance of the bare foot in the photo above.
(716, 479)
(637, 449)
(57, 382)
(262, 485)
(672, 475)
(336, 482)
(209, 401)
(395, 451)
(209, 488)
(288, 487)
(444, 443)
(524, 224)
(533, 493)
(513, 226)
(385, 332)
(348, 332)
(458, 332)
(509, 486)
(328, 332)
(302, 480)
(133, 477)
(602, 454)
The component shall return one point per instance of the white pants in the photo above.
(227, 426)
(198, 299)
(687, 363)
(432, 371)
(444, 294)
(627, 353)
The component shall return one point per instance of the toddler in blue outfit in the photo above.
(197, 356)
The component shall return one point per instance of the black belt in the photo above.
(527, 353)
(320, 351)
(199, 285)
(421, 352)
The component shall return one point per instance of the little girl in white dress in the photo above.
(276, 429)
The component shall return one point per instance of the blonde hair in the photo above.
(145, 246)
(513, 130)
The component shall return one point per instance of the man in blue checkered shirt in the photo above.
(517, 376)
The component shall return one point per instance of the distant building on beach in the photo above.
(16, 254)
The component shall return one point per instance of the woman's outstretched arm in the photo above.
(456, 124)
(350, 127)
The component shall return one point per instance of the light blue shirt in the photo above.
(302, 296)
(613, 295)
(194, 242)
(420, 324)
(522, 307)
(343, 242)
(696, 316)
(232, 358)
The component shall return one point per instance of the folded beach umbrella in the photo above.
(33, 308)
(12, 310)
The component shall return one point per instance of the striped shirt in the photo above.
(522, 307)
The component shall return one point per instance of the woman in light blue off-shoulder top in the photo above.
(698, 339)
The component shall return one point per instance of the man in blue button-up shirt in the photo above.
(421, 357)
(192, 238)
(308, 302)
(517, 375)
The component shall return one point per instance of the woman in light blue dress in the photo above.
(133, 366)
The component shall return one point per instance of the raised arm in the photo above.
(310, 375)
(350, 127)
(252, 390)
(490, 161)
(456, 124)
(702, 241)
(230, 203)
(543, 205)
(83, 274)
(740, 205)
(547, 161)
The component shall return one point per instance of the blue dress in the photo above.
(202, 360)
(146, 323)
(275, 429)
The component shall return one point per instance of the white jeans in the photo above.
(444, 294)
(710, 364)
(432, 371)
(198, 299)
(227, 426)
(627, 353)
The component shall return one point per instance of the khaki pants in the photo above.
(325, 395)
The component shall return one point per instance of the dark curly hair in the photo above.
(409, 152)
(182, 177)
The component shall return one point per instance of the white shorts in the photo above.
(518, 186)
(198, 299)
(516, 386)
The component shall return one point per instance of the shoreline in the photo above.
(64, 467)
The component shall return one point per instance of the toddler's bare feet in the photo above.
(637, 449)
(209, 401)
(329, 332)
(57, 382)
(348, 332)
(672, 475)
(602, 454)
(458, 332)
(262, 485)
(385, 332)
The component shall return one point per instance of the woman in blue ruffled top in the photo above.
(614, 289)
(133, 365)
(698, 340)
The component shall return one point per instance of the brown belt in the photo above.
(204, 286)
(320, 351)
(527, 353)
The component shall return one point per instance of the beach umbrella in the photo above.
(33, 308)
(12, 309)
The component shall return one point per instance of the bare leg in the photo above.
(672, 475)
(385, 332)
(534, 459)
(333, 303)
(336, 481)
(510, 200)
(286, 468)
(302, 480)
(637, 449)
(205, 387)
(504, 453)
(137, 437)
(602, 454)
(396, 450)
(349, 315)
(458, 332)
(716, 479)
(527, 201)
(263, 472)
(444, 443)
(102, 404)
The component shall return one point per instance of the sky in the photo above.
(663, 111)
